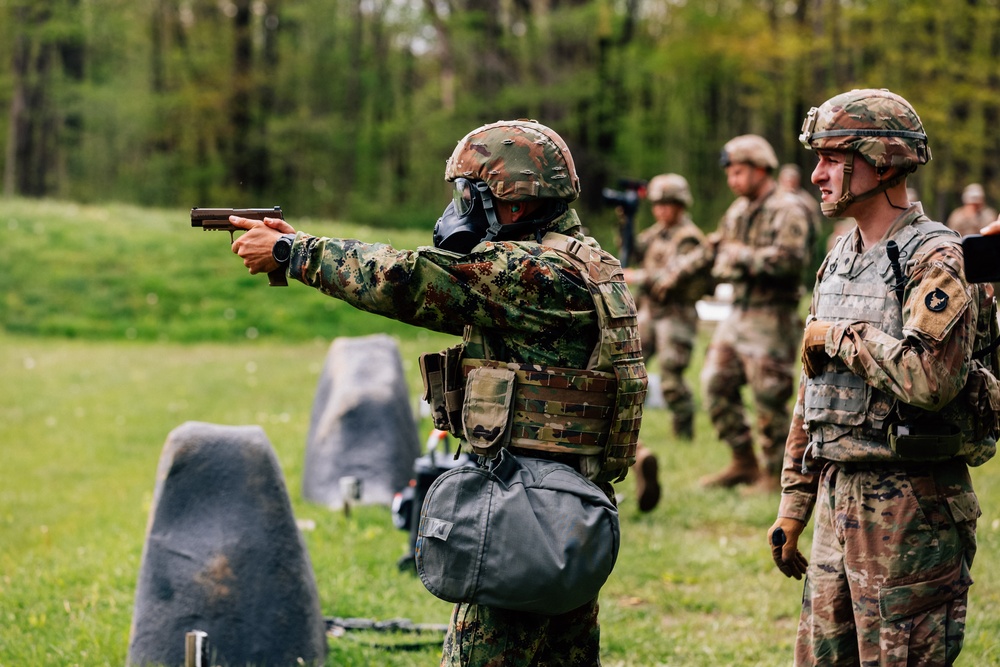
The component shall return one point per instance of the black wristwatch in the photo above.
(282, 250)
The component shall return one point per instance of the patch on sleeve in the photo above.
(940, 300)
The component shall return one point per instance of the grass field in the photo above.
(96, 372)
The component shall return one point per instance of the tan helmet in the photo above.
(518, 159)
(750, 149)
(877, 124)
(973, 194)
(667, 188)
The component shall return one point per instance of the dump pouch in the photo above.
(525, 534)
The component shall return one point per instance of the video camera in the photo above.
(627, 198)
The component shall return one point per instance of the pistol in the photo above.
(217, 219)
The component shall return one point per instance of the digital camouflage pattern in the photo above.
(674, 273)
(894, 535)
(880, 125)
(520, 160)
(488, 637)
(526, 304)
(763, 249)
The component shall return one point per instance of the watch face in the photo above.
(282, 250)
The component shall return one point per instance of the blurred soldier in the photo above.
(762, 247)
(973, 214)
(790, 180)
(512, 273)
(885, 423)
(673, 276)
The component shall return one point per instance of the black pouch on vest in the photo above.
(443, 390)
(925, 441)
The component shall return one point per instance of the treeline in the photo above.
(349, 108)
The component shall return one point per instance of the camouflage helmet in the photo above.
(751, 149)
(518, 159)
(667, 188)
(878, 124)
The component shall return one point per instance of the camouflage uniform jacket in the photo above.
(674, 267)
(515, 302)
(909, 360)
(765, 245)
(535, 309)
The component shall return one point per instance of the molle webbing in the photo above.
(618, 353)
(557, 409)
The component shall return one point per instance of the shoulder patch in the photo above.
(940, 300)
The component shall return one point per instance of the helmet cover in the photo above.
(667, 188)
(878, 124)
(750, 149)
(520, 160)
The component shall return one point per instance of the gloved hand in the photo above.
(784, 540)
(814, 355)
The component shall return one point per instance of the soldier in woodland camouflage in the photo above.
(895, 402)
(762, 247)
(513, 274)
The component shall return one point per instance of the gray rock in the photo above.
(362, 425)
(223, 555)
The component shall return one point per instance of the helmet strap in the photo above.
(491, 215)
(837, 208)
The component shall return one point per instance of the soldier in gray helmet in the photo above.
(762, 246)
(893, 406)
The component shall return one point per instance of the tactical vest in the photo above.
(848, 419)
(593, 413)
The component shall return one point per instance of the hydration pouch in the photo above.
(441, 374)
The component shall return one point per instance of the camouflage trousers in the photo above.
(754, 346)
(887, 583)
(480, 636)
(671, 338)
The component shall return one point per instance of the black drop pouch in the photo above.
(982, 258)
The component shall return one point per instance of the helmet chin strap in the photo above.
(491, 215)
(837, 208)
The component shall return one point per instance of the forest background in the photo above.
(348, 109)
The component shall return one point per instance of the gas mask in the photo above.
(471, 219)
(468, 220)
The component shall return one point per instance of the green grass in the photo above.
(84, 415)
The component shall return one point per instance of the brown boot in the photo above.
(743, 470)
(647, 484)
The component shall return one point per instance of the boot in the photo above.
(743, 470)
(647, 484)
(684, 427)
